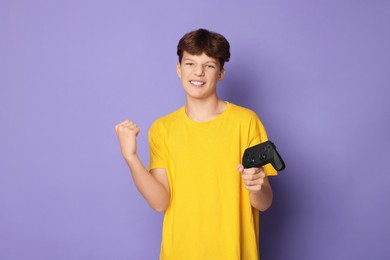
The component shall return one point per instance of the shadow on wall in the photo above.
(275, 223)
(245, 87)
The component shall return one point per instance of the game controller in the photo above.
(262, 154)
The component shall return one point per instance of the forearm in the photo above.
(262, 199)
(152, 190)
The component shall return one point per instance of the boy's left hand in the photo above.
(253, 178)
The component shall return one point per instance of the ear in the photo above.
(178, 70)
(221, 75)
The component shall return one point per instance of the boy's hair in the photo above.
(201, 41)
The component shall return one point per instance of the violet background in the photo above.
(316, 72)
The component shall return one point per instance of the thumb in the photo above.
(240, 168)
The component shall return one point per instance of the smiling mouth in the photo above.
(197, 83)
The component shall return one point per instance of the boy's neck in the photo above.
(204, 110)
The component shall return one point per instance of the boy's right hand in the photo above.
(127, 132)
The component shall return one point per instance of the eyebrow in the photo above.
(211, 61)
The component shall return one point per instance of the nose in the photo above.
(199, 70)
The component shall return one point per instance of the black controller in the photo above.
(262, 154)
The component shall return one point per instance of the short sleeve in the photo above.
(157, 147)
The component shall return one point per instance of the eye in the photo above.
(210, 66)
(189, 64)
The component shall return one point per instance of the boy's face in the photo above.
(199, 75)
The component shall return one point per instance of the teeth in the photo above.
(197, 83)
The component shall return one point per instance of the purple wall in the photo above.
(316, 72)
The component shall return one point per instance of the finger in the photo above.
(254, 185)
(127, 123)
(261, 173)
(123, 123)
(251, 177)
(254, 170)
(250, 171)
(255, 176)
(137, 130)
(249, 183)
(240, 168)
(254, 182)
(254, 188)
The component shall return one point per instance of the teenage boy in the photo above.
(211, 206)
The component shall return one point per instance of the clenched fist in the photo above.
(127, 132)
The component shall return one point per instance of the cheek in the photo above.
(217, 76)
(184, 73)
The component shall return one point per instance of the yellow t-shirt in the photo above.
(209, 215)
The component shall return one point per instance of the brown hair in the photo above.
(201, 41)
